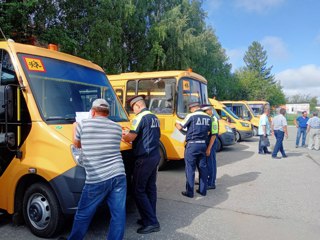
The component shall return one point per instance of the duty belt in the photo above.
(199, 141)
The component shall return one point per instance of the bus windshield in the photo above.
(62, 88)
(190, 90)
(230, 112)
(257, 109)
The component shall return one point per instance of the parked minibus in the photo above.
(168, 94)
(243, 127)
(242, 110)
(41, 91)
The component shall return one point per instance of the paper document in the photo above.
(177, 135)
(82, 115)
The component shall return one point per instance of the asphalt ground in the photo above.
(256, 198)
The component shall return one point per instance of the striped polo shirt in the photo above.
(100, 141)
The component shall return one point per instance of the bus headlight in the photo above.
(228, 129)
(244, 124)
(77, 155)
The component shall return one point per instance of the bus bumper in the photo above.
(68, 187)
(246, 134)
(227, 138)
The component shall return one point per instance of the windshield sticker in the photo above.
(186, 85)
(34, 64)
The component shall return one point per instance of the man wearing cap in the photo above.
(198, 126)
(313, 130)
(145, 137)
(211, 160)
(301, 124)
(100, 138)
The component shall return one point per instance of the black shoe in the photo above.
(276, 157)
(262, 153)
(268, 152)
(198, 191)
(211, 187)
(186, 194)
(62, 238)
(140, 222)
(149, 229)
(285, 156)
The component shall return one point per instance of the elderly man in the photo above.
(279, 128)
(105, 173)
(313, 130)
(264, 131)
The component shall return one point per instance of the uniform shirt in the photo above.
(279, 122)
(215, 125)
(100, 141)
(264, 121)
(198, 126)
(314, 122)
(302, 122)
(147, 127)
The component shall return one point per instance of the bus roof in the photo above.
(158, 74)
(39, 51)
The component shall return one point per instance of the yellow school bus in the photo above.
(40, 92)
(242, 110)
(168, 94)
(243, 127)
(258, 107)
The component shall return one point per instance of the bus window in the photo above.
(131, 91)
(189, 90)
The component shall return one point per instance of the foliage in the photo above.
(141, 35)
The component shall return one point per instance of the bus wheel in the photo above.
(163, 159)
(41, 211)
(255, 131)
(238, 137)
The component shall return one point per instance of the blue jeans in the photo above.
(114, 191)
(279, 143)
(301, 131)
(212, 166)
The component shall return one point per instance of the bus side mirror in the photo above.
(7, 139)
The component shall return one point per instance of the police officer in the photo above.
(145, 137)
(211, 160)
(198, 126)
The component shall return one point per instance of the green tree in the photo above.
(256, 59)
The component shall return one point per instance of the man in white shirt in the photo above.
(279, 128)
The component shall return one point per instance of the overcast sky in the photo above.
(289, 30)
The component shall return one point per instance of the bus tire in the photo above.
(41, 211)
(219, 145)
(163, 158)
(238, 137)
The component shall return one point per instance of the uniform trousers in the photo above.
(195, 157)
(212, 165)
(145, 189)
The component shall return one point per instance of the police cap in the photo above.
(205, 107)
(193, 104)
(135, 99)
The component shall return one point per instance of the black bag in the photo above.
(265, 141)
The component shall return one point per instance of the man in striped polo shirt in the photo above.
(100, 138)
